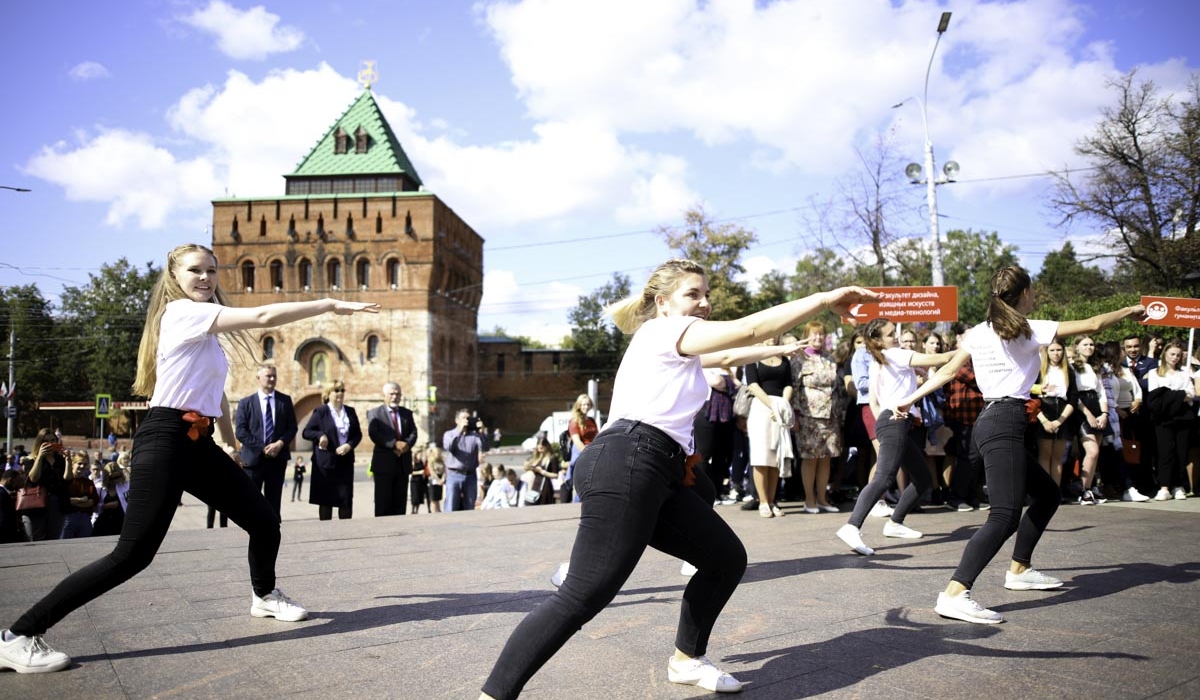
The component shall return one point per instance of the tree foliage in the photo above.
(101, 328)
(26, 314)
(862, 220)
(1143, 187)
(597, 343)
(1064, 277)
(718, 249)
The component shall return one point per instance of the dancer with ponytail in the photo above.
(181, 367)
(632, 479)
(1005, 352)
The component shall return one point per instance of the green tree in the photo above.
(102, 326)
(969, 259)
(27, 315)
(773, 288)
(862, 219)
(718, 248)
(1063, 278)
(597, 343)
(1142, 189)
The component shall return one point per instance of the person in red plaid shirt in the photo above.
(963, 404)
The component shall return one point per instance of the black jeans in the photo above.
(1172, 443)
(898, 448)
(1011, 472)
(166, 462)
(629, 481)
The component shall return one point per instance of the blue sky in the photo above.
(564, 132)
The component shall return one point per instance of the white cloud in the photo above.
(800, 82)
(88, 70)
(138, 179)
(524, 310)
(245, 34)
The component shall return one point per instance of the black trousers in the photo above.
(391, 493)
(267, 476)
(900, 447)
(629, 483)
(1012, 473)
(166, 462)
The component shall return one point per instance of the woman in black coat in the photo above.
(334, 431)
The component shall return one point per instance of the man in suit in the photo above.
(265, 426)
(393, 430)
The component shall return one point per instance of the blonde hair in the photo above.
(1162, 362)
(814, 326)
(577, 413)
(166, 290)
(328, 389)
(1007, 286)
(631, 312)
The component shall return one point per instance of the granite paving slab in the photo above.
(420, 606)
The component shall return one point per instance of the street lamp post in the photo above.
(913, 171)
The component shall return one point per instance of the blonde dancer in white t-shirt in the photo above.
(632, 478)
(1004, 350)
(182, 367)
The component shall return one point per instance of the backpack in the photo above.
(565, 444)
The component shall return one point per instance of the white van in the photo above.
(553, 426)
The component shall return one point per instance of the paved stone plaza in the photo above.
(419, 607)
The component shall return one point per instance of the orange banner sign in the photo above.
(909, 305)
(1172, 311)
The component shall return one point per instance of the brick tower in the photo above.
(356, 223)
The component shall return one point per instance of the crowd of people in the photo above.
(704, 414)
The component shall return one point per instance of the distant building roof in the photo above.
(383, 154)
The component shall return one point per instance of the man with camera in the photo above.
(393, 431)
(464, 445)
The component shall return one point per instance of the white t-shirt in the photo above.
(1179, 380)
(1008, 367)
(1086, 379)
(896, 379)
(1057, 378)
(191, 364)
(657, 385)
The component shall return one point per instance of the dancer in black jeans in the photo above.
(182, 367)
(892, 376)
(1005, 352)
(631, 479)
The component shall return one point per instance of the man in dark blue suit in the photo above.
(266, 425)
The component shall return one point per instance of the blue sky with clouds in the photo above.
(564, 132)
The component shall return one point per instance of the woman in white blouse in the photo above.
(1056, 412)
(1171, 431)
(1093, 411)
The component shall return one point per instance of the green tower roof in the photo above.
(383, 155)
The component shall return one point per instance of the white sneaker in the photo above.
(853, 538)
(963, 607)
(880, 510)
(1132, 495)
(1164, 494)
(747, 498)
(30, 654)
(687, 569)
(1180, 494)
(1098, 495)
(778, 512)
(1030, 580)
(560, 574)
(894, 529)
(700, 672)
(277, 605)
